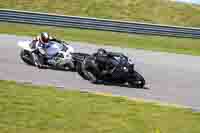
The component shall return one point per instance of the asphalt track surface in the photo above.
(171, 78)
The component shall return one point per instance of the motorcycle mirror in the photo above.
(130, 61)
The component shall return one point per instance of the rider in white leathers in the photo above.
(40, 44)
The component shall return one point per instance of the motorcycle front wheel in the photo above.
(26, 57)
(137, 81)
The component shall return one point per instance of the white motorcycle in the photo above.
(58, 55)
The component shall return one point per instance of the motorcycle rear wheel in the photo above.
(80, 71)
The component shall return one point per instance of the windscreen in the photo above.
(54, 48)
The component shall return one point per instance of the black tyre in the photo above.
(87, 75)
(80, 71)
(137, 81)
(90, 76)
(26, 57)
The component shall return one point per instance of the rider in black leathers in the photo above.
(102, 64)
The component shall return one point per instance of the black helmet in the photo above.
(101, 51)
(44, 37)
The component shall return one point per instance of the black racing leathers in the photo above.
(103, 64)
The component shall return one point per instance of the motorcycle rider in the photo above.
(103, 63)
(40, 44)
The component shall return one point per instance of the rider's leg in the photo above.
(38, 60)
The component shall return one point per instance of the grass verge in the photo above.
(168, 44)
(27, 108)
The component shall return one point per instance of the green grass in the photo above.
(154, 11)
(169, 44)
(33, 109)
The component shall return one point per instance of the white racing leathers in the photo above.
(58, 54)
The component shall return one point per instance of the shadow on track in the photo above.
(119, 85)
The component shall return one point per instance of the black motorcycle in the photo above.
(122, 73)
